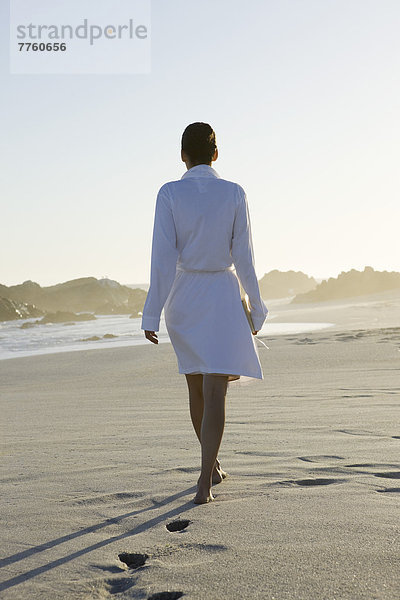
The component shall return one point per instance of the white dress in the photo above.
(201, 227)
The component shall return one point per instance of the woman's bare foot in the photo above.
(204, 494)
(218, 473)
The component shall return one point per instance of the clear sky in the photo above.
(304, 97)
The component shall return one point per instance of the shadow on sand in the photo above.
(60, 561)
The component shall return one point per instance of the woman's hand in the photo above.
(255, 332)
(152, 336)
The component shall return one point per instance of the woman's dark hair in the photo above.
(198, 141)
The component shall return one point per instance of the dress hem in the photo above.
(219, 372)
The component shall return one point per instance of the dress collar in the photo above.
(202, 170)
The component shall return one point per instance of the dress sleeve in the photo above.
(164, 255)
(243, 258)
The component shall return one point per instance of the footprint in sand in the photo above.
(109, 498)
(261, 453)
(374, 465)
(118, 586)
(178, 525)
(133, 560)
(310, 482)
(320, 458)
(110, 568)
(357, 396)
(390, 490)
(358, 432)
(165, 596)
(389, 475)
(344, 337)
(317, 481)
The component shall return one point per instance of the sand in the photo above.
(99, 455)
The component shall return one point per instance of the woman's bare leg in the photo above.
(212, 429)
(196, 403)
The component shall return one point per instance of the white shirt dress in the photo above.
(202, 247)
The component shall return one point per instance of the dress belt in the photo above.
(179, 268)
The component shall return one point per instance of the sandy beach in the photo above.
(99, 456)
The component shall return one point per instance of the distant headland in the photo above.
(282, 284)
(61, 302)
(90, 296)
(350, 284)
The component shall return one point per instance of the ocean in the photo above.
(65, 337)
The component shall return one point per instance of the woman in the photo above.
(201, 227)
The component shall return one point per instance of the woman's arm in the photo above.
(243, 258)
(164, 255)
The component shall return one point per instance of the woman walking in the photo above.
(201, 234)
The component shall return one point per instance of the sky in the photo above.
(304, 98)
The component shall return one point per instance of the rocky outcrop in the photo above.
(352, 283)
(11, 310)
(281, 284)
(101, 296)
(95, 338)
(65, 316)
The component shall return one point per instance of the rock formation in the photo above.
(281, 284)
(12, 309)
(87, 294)
(352, 283)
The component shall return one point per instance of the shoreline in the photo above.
(377, 311)
(162, 337)
(162, 340)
